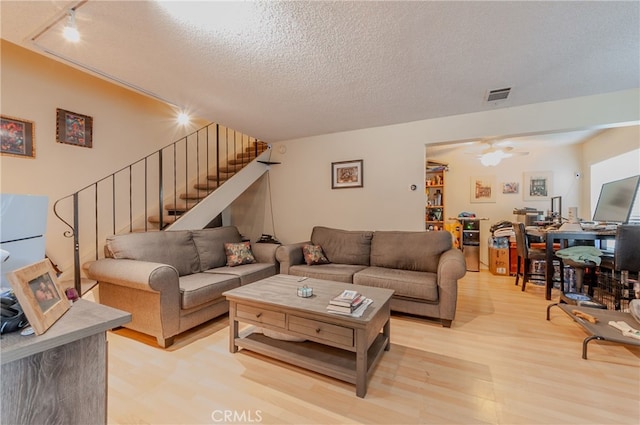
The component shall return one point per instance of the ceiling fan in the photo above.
(496, 151)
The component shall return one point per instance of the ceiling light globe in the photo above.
(183, 118)
(491, 159)
(71, 34)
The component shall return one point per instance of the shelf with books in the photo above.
(434, 191)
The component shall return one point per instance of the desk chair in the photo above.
(525, 254)
(626, 254)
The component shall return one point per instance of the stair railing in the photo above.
(124, 201)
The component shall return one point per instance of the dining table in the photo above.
(558, 239)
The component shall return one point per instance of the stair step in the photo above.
(166, 219)
(246, 156)
(199, 194)
(261, 147)
(181, 207)
(240, 161)
(230, 169)
(208, 185)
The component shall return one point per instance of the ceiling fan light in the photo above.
(70, 31)
(491, 159)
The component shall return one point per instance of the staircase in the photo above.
(205, 185)
(184, 185)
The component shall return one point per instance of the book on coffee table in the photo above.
(357, 312)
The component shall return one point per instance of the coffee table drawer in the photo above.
(261, 316)
(327, 332)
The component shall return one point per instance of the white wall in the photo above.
(394, 159)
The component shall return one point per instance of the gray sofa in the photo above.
(422, 268)
(172, 281)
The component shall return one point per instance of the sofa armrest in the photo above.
(290, 255)
(265, 252)
(451, 267)
(142, 275)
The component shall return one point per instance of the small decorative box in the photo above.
(305, 292)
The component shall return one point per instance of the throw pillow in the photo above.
(313, 255)
(239, 253)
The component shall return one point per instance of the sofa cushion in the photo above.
(416, 251)
(343, 246)
(175, 248)
(210, 245)
(239, 253)
(405, 283)
(247, 273)
(334, 272)
(313, 254)
(199, 288)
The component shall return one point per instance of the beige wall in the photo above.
(394, 159)
(126, 127)
(606, 145)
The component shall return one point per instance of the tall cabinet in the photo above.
(434, 190)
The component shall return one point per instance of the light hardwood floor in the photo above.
(500, 363)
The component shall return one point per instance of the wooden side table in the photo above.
(61, 375)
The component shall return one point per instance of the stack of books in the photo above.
(347, 302)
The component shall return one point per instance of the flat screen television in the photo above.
(616, 200)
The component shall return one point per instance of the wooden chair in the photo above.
(526, 254)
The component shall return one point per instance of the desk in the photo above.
(61, 375)
(563, 237)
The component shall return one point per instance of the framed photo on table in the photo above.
(17, 137)
(346, 174)
(74, 129)
(36, 288)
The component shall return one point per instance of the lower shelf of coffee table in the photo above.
(323, 359)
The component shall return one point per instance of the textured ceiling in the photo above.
(282, 70)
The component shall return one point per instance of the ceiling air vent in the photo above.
(498, 94)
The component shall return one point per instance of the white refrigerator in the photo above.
(23, 225)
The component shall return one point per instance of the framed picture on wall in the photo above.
(483, 189)
(510, 188)
(74, 129)
(17, 137)
(537, 185)
(346, 174)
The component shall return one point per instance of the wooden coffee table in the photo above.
(340, 346)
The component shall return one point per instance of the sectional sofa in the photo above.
(422, 268)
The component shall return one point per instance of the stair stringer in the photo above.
(221, 198)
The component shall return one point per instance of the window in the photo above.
(616, 168)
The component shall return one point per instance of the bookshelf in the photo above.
(435, 193)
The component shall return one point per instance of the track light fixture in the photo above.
(70, 31)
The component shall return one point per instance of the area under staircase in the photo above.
(184, 185)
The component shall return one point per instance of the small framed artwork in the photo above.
(537, 185)
(17, 137)
(36, 288)
(483, 189)
(74, 129)
(510, 188)
(346, 174)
